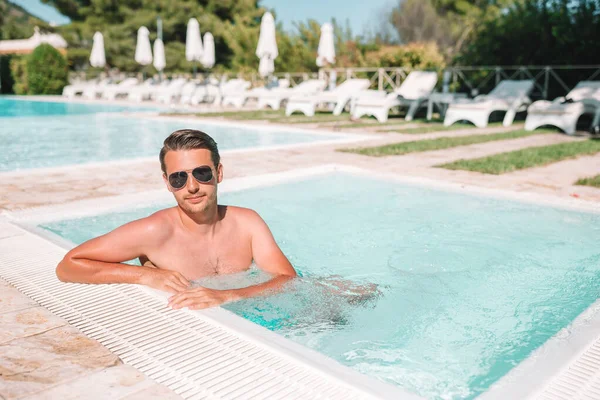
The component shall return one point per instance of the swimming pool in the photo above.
(12, 107)
(33, 137)
(470, 285)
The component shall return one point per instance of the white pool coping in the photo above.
(534, 376)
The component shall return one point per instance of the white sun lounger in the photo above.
(564, 112)
(186, 92)
(71, 91)
(74, 89)
(229, 88)
(510, 96)
(146, 90)
(238, 99)
(111, 92)
(92, 91)
(274, 97)
(206, 92)
(170, 93)
(339, 97)
(413, 92)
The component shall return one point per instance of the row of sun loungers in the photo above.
(509, 96)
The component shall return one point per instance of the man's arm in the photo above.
(100, 260)
(267, 255)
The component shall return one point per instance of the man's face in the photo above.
(195, 197)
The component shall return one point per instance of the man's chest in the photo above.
(196, 259)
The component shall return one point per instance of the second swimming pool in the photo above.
(468, 286)
(95, 133)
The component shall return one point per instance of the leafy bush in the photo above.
(46, 71)
(412, 55)
(77, 58)
(18, 70)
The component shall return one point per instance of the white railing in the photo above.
(550, 81)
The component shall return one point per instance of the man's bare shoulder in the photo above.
(242, 214)
(244, 219)
(159, 225)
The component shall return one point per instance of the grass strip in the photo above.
(526, 158)
(436, 128)
(317, 118)
(235, 115)
(432, 127)
(593, 181)
(437, 144)
(373, 124)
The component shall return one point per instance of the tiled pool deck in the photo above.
(44, 357)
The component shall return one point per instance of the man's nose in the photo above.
(192, 185)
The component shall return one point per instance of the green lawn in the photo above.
(593, 181)
(436, 128)
(527, 158)
(431, 127)
(317, 118)
(236, 115)
(372, 122)
(438, 144)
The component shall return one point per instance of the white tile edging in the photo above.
(552, 364)
(82, 208)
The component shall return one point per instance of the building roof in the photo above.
(24, 46)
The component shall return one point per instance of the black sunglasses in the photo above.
(202, 174)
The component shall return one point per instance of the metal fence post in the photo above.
(546, 82)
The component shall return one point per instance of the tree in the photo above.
(16, 23)
(539, 32)
(418, 21)
(46, 71)
(234, 24)
(451, 24)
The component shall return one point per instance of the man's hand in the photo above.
(164, 279)
(199, 298)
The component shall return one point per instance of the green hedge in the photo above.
(46, 71)
(18, 70)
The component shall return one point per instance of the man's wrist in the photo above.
(232, 295)
(142, 274)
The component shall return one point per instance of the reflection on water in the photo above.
(307, 304)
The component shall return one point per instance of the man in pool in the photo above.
(195, 239)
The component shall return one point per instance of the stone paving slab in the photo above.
(12, 300)
(116, 382)
(155, 392)
(27, 322)
(42, 357)
(32, 364)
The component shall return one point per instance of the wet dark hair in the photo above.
(189, 139)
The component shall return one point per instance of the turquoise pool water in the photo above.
(469, 286)
(84, 134)
(10, 107)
